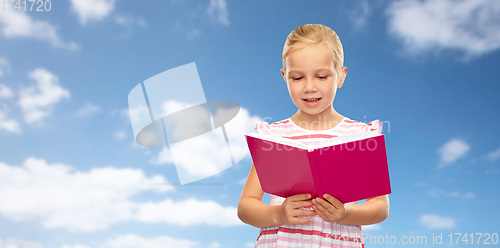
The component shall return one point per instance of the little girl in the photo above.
(313, 70)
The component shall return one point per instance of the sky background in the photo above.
(71, 175)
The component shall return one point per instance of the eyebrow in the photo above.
(324, 69)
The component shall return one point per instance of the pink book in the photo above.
(349, 167)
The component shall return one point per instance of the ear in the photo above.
(283, 74)
(343, 75)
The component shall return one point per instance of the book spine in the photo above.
(315, 172)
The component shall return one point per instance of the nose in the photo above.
(309, 85)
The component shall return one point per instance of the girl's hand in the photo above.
(289, 210)
(331, 210)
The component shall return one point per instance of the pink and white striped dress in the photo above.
(318, 232)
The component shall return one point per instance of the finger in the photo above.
(323, 206)
(334, 201)
(304, 212)
(299, 204)
(321, 214)
(300, 197)
(301, 220)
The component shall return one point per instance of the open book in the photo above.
(349, 167)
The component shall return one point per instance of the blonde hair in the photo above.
(311, 34)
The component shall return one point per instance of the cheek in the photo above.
(294, 90)
(330, 88)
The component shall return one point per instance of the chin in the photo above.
(311, 112)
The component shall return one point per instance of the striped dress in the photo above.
(318, 232)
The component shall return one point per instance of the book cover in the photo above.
(349, 167)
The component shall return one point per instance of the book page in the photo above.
(330, 142)
(346, 138)
(279, 140)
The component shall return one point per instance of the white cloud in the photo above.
(494, 155)
(4, 65)
(250, 244)
(137, 116)
(7, 124)
(92, 10)
(130, 21)
(190, 32)
(470, 26)
(120, 135)
(462, 195)
(202, 156)
(451, 151)
(361, 13)
(214, 245)
(5, 92)
(19, 24)
(433, 221)
(457, 194)
(188, 212)
(249, 120)
(37, 101)
(89, 108)
(242, 181)
(125, 113)
(371, 227)
(218, 11)
(75, 246)
(193, 33)
(164, 157)
(177, 26)
(171, 106)
(62, 197)
(15, 243)
(134, 241)
(492, 171)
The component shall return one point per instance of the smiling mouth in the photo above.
(311, 100)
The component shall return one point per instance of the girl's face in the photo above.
(312, 79)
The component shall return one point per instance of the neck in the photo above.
(327, 119)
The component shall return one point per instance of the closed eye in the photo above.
(297, 78)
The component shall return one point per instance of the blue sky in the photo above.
(71, 175)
